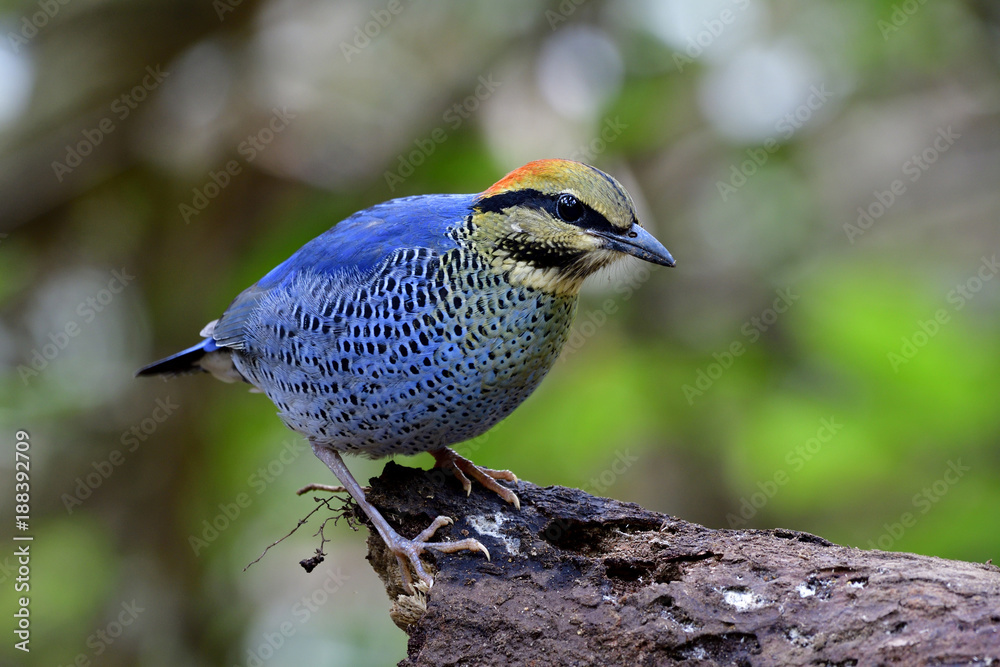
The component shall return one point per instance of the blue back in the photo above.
(354, 246)
(365, 239)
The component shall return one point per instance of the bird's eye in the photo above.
(568, 208)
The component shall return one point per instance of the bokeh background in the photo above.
(825, 356)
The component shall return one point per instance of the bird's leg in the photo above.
(463, 468)
(407, 551)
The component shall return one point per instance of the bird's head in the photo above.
(552, 223)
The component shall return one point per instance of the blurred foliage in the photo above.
(825, 357)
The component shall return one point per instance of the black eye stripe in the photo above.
(588, 219)
(501, 202)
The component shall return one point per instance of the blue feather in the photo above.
(356, 245)
(362, 241)
(184, 361)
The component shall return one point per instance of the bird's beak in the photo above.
(638, 243)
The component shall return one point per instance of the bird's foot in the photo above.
(463, 468)
(408, 551)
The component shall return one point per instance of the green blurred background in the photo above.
(824, 357)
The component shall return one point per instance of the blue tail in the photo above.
(185, 361)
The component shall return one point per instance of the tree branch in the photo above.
(581, 580)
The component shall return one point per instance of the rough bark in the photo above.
(580, 580)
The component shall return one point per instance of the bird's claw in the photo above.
(407, 552)
(462, 468)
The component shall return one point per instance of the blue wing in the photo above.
(356, 245)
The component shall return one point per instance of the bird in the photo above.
(421, 322)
